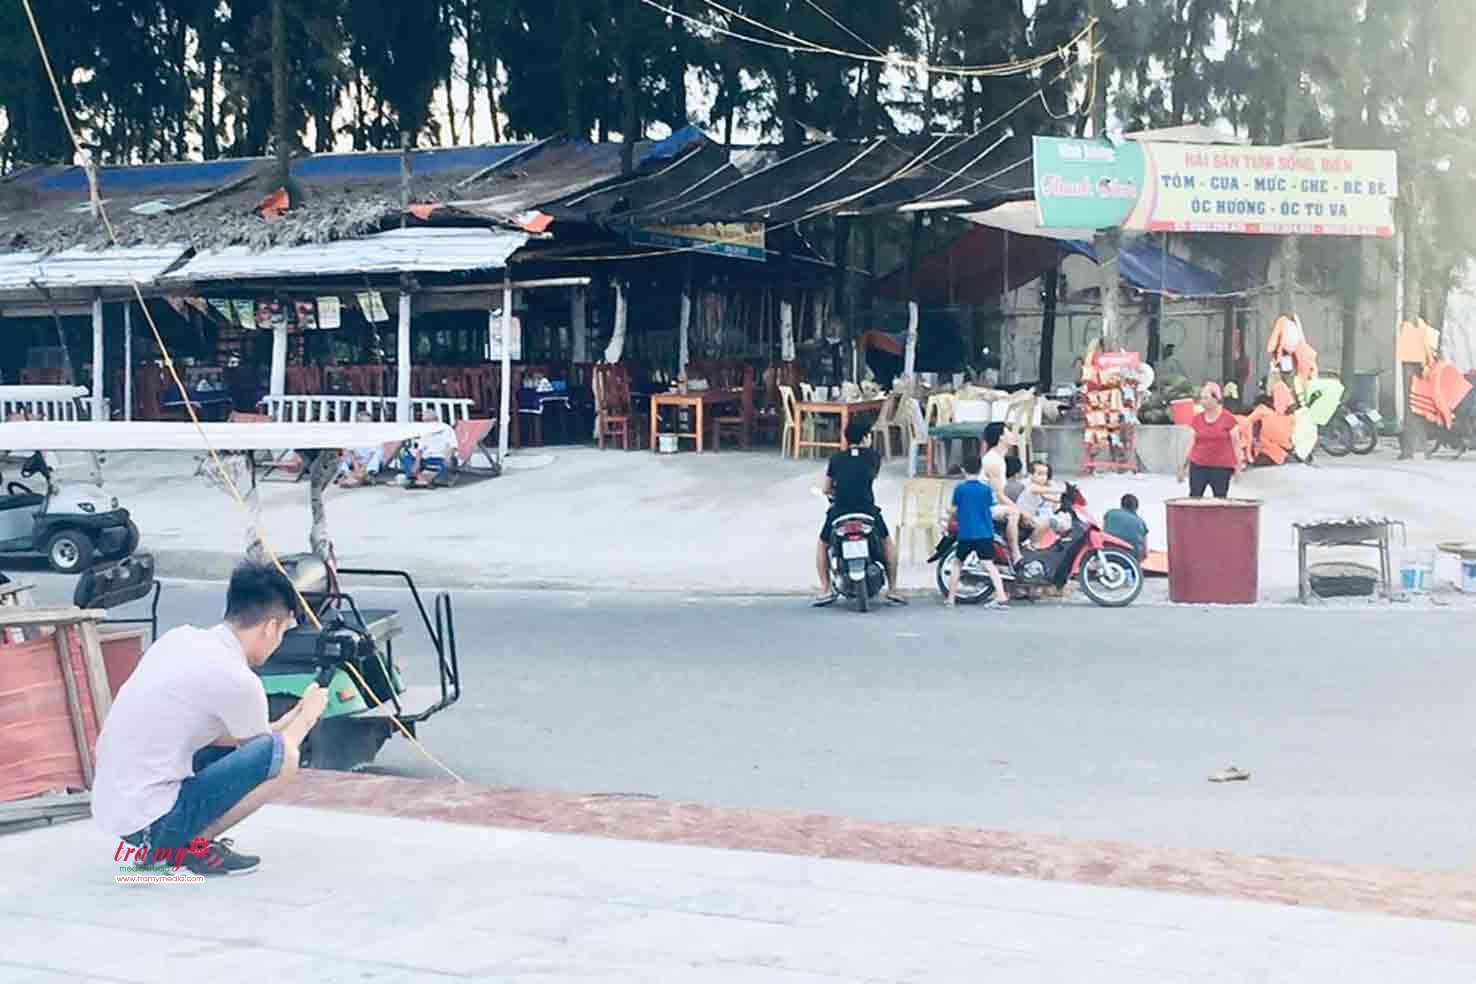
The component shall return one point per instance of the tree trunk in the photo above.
(841, 257)
(210, 57)
(281, 114)
(489, 66)
(182, 120)
(629, 122)
(573, 67)
(1048, 329)
(451, 105)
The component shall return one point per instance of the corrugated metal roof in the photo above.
(440, 250)
(85, 268)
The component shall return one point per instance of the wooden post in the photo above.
(504, 412)
(99, 375)
(403, 358)
(74, 704)
(97, 671)
(127, 360)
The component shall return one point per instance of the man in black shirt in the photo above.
(848, 482)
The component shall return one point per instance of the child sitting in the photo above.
(973, 508)
(1040, 503)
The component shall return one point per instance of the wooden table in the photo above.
(942, 435)
(698, 403)
(840, 409)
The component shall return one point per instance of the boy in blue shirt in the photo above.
(973, 507)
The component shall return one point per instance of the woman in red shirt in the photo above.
(1214, 450)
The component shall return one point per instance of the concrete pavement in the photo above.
(346, 897)
(729, 522)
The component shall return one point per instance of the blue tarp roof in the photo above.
(1144, 266)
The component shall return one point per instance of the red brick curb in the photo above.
(1220, 874)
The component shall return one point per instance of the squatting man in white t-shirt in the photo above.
(187, 752)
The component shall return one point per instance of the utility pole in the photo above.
(1108, 242)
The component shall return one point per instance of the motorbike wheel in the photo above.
(1335, 437)
(972, 589)
(1365, 436)
(1112, 578)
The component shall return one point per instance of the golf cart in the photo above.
(357, 653)
(70, 525)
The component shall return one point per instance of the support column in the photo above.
(909, 360)
(402, 359)
(616, 347)
(127, 360)
(504, 411)
(279, 360)
(786, 331)
(99, 374)
(684, 344)
(579, 320)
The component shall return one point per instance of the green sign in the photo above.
(1173, 187)
(1086, 184)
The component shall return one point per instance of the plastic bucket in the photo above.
(1182, 412)
(1417, 571)
(1468, 576)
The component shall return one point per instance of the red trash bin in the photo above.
(1214, 551)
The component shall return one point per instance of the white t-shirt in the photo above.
(191, 689)
(993, 473)
(439, 443)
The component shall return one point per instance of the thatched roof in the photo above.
(213, 204)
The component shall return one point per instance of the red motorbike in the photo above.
(1106, 567)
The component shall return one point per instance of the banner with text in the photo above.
(1163, 187)
(744, 241)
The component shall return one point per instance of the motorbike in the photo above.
(1345, 429)
(1460, 436)
(856, 569)
(1105, 566)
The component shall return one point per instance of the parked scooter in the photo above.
(1346, 429)
(1106, 567)
(856, 570)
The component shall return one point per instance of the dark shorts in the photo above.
(983, 549)
(223, 777)
(1203, 477)
(832, 514)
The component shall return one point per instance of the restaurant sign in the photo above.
(739, 240)
(1169, 187)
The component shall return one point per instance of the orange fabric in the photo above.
(1275, 437)
(1306, 359)
(1417, 343)
(1281, 397)
(423, 210)
(275, 205)
(469, 434)
(1436, 394)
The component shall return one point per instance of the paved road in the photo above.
(1086, 723)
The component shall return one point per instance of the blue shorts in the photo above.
(223, 777)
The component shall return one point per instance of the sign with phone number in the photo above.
(1157, 187)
